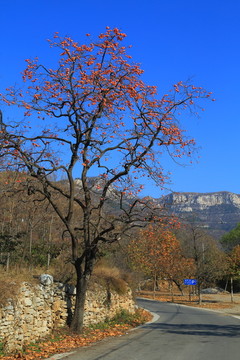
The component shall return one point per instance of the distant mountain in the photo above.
(217, 212)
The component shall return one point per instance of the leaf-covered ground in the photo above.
(61, 341)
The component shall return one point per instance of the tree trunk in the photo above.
(178, 286)
(199, 293)
(226, 284)
(48, 260)
(171, 289)
(83, 277)
(78, 315)
(154, 285)
(8, 261)
(231, 281)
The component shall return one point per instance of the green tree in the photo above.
(231, 239)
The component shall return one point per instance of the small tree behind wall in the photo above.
(93, 114)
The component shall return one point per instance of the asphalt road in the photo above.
(180, 333)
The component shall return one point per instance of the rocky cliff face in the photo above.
(217, 212)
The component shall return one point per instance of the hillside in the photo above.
(217, 212)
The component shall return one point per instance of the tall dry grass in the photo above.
(10, 282)
(110, 277)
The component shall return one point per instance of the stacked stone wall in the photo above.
(39, 309)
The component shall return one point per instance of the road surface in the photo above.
(180, 333)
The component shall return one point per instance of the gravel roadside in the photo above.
(222, 303)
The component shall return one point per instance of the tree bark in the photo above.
(178, 286)
(154, 285)
(199, 293)
(81, 288)
(171, 289)
(231, 281)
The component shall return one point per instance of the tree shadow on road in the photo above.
(197, 329)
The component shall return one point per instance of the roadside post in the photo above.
(190, 283)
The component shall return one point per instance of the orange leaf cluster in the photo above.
(157, 252)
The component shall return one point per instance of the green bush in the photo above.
(123, 317)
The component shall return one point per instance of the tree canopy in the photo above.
(232, 238)
(158, 253)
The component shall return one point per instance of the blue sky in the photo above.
(172, 40)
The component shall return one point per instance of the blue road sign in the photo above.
(190, 282)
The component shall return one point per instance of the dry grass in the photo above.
(11, 281)
(110, 277)
(103, 273)
(8, 290)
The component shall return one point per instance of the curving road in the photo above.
(178, 333)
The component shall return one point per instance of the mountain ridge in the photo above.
(217, 212)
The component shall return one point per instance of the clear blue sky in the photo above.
(173, 40)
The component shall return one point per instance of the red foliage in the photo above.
(98, 98)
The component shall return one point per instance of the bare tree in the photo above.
(94, 116)
(210, 261)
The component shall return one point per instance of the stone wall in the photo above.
(41, 308)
